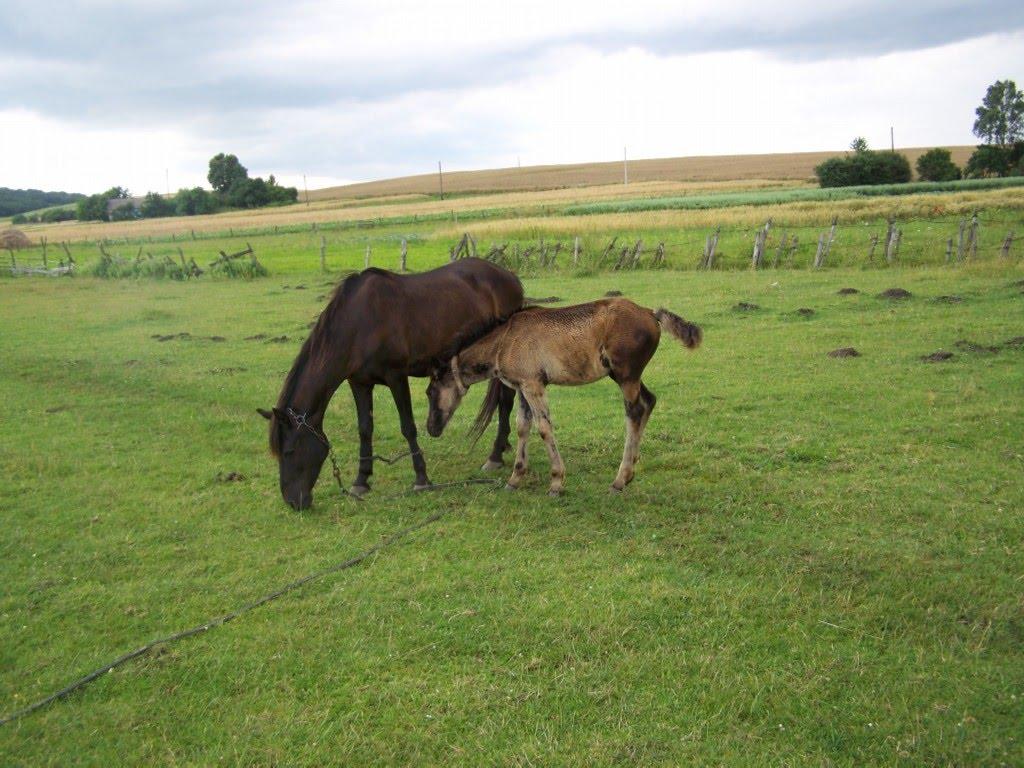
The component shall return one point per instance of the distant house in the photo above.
(120, 202)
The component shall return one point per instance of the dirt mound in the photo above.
(805, 312)
(844, 352)
(14, 239)
(965, 345)
(542, 300)
(610, 294)
(745, 306)
(937, 357)
(1017, 342)
(895, 293)
(949, 299)
(847, 291)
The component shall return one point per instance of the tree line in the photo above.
(15, 201)
(232, 187)
(999, 124)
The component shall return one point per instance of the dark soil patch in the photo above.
(542, 300)
(805, 312)
(969, 346)
(609, 294)
(895, 293)
(745, 306)
(949, 299)
(1018, 284)
(257, 337)
(58, 409)
(277, 340)
(230, 477)
(938, 357)
(1017, 342)
(300, 287)
(847, 291)
(217, 338)
(171, 336)
(844, 352)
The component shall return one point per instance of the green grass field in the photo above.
(819, 562)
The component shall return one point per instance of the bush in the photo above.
(193, 202)
(866, 167)
(18, 219)
(994, 160)
(155, 206)
(56, 214)
(937, 165)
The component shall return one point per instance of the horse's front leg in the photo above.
(538, 401)
(506, 401)
(400, 390)
(363, 395)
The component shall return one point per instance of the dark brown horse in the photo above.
(381, 328)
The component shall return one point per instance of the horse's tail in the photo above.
(487, 409)
(688, 333)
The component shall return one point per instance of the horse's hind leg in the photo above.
(538, 400)
(507, 399)
(639, 402)
(399, 386)
(363, 395)
(524, 419)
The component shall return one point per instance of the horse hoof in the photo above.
(491, 465)
(615, 488)
(422, 486)
(554, 493)
(510, 487)
(359, 490)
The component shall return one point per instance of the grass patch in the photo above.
(819, 561)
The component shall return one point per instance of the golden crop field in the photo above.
(798, 166)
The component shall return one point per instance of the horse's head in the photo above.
(301, 448)
(444, 393)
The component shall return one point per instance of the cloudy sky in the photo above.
(97, 93)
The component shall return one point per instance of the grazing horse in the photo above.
(573, 345)
(381, 328)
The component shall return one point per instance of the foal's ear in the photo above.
(264, 413)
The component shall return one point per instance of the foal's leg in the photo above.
(363, 395)
(538, 400)
(639, 401)
(399, 386)
(524, 417)
(507, 399)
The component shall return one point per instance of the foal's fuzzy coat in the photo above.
(572, 345)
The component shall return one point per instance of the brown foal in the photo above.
(569, 346)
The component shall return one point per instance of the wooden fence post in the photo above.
(659, 255)
(781, 249)
(405, 251)
(367, 263)
(831, 238)
(472, 244)
(871, 250)
(890, 241)
(819, 255)
(960, 241)
(1007, 242)
(576, 251)
(757, 259)
(710, 244)
(323, 253)
(974, 236)
(949, 250)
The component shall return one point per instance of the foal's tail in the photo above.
(487, 409)
(688, 333)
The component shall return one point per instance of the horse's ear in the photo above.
(264, 413)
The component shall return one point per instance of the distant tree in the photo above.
(117, 193)
(1000, 118)
(994, 160)
(866, 167)
(193, 202)
(92, 208)
(155, 206)
(859, 144)
(937, 165)
(225, 170)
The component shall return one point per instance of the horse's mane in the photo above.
(314, 348)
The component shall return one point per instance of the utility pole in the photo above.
(306, 188)
(625, 167)
(167, 180)
(892, 140)
(440, 179)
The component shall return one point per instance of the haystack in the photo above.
(14, 239)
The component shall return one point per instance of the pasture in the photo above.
(819, 561)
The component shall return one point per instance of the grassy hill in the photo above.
(790, 166)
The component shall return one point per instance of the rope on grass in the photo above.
(225, 618)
